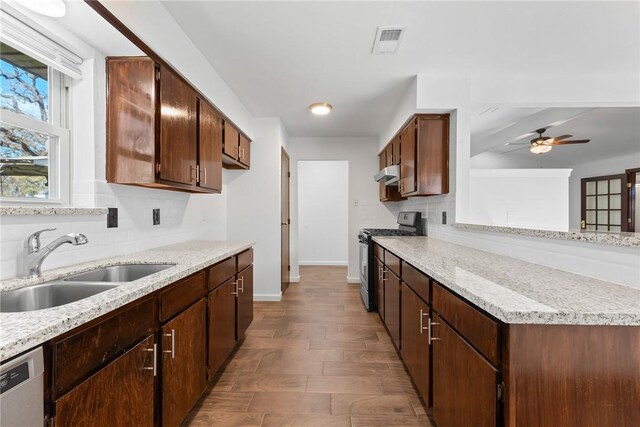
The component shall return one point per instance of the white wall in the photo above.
(253, 206)
(362, 155)
(522, 198)
(323, 212)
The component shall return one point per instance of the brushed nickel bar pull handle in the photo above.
(241, 280)
(431, 338)
(205, 174)
(422, 314)
(384, 279)
(173, 344)
(154, 368)
(235, 284)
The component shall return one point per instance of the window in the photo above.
(34, 144)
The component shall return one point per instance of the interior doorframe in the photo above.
(631, 198)
(284, 284)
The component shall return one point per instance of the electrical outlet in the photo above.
(156, 216)
(112, 218)
(444, 218)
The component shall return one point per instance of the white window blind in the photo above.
(37, 45)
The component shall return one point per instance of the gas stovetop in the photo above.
(369, 232)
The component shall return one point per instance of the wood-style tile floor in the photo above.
(317, 358)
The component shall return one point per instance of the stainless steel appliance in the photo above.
(409, 224)
(21, 391)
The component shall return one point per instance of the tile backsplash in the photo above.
(184, 217)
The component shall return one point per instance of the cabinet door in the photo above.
(120, 394)
(178, 129)
(244, 153)
(183, 363)
(222, 324)
(210, 145)
(408, 164)
(415, 341)
(231, 141)
(379, 286)
(433, 155)
(389, 155)
(396, 150)
(382, 157)
(245, 300)
(392, 305)
(464, 384)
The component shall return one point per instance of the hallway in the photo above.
(316, 358)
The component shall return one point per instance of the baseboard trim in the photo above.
(294, 279)
(327, 263)
(267, 297)
(353, 279)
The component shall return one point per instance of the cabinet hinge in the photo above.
(158, 167)
(49, 421)
(500, 390)
(158, 74)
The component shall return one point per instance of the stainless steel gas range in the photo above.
(409, 224)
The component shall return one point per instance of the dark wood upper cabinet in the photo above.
(395, 149)
(408, 165)
(131, 120)
(387, 192)
(464, 383)
(183, 363)
(120, 394)
(178, 129)
(210, 144)
(222, 324)
(245, 300)
(163, 133)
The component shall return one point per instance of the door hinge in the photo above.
(628, 220)
(288, 268)
(288, 174)
(500, 390)
(629, 185)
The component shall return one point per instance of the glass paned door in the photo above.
(603, 203)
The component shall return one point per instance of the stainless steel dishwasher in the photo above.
(21, 391)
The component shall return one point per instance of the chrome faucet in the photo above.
(34, 255)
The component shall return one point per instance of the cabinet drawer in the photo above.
(181, 295)
(221, 272)
(378, 252)
(480, 330)
(417, 281)
(76, 356)
(245, 259)
(392, 262)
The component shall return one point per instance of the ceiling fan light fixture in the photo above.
(320, 108)
(540, 149)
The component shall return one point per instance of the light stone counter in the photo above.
(22, 331)
(516, 291)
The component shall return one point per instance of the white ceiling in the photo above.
(279, 57)
(612, 132)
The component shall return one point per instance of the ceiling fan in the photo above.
(544, 144)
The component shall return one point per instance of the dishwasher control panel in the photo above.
(14, 376)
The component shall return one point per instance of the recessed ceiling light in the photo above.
(53, 8)
(320, 108)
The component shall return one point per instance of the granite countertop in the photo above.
(22, 331)
(516, 291)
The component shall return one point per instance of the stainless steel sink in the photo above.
(48, 295)
(119, 273)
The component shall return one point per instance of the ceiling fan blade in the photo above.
(558, 138)
(517, 143)
(575, 141)
(517, 149)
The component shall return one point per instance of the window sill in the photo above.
(49, 210)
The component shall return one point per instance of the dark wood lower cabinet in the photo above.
(392, 305)
(245, 300)
(415, 340)
(222, 321)
(120, 394)
(183, 363)
(464, 383)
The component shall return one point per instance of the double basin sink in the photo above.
(74, 288)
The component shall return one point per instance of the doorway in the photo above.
(323, 212)
(285, 220)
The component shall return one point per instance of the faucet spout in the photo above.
(34, 256)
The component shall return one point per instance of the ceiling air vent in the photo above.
(387, 40)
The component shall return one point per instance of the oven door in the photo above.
(364, 263)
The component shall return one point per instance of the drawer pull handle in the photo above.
(422, 314)
(241, 280)
(235, 286)
(431, 337)
(153, 368)
(173, 344)
(384, 279)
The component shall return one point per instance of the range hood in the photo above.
(389, 175)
